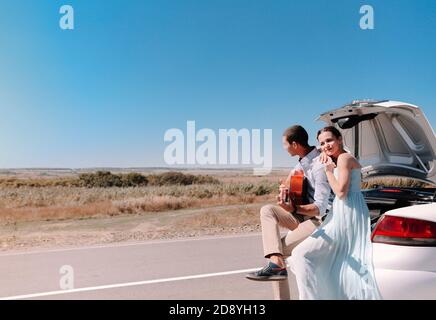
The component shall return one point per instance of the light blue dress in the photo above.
(335, 262)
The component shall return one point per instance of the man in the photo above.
(276, 249)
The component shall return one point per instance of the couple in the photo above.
(331, 259)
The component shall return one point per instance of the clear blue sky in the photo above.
(105, 93)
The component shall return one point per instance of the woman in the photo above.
(335, 262)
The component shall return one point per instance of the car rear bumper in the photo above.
(406, 284)
(405, 272)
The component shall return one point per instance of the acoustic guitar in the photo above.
(297, 193)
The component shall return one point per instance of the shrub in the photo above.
(133, 179)
(178, 178)
(106, 179)
(262, 190)
(101, 179)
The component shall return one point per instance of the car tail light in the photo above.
(404, 231)
(391, 190)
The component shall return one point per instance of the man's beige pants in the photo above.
(272, 218)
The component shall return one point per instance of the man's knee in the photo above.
(267, 211)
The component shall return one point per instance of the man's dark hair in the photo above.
(298, 134)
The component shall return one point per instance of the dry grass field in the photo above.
(46, 209)
(32, 199)
(53, 209)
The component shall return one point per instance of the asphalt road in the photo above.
(203, 268)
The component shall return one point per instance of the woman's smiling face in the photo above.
(330, 144)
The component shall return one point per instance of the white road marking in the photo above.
(127, 284)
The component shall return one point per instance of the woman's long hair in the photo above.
(331, 129)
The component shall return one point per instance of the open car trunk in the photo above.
(390, 139)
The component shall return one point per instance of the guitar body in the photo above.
(298, 192)
(298, 189)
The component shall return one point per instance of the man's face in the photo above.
(289, 147)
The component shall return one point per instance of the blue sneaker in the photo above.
(271, 272)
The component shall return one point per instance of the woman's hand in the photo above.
(329, 164)
(323, 157)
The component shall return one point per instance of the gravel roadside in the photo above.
(188, 223)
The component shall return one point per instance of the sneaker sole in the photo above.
(267, 278)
